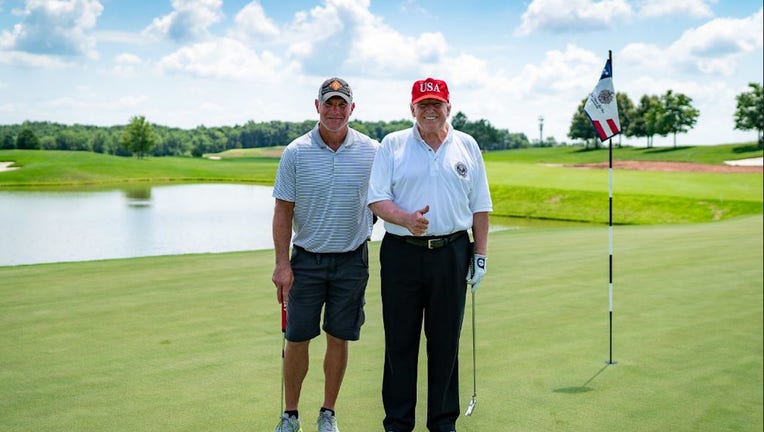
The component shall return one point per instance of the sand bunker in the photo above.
(6, 166)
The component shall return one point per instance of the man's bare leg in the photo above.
(295, 369)
(335, 364)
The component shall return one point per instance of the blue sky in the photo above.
(186, 63)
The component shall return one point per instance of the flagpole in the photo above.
(610, 232)
(602, 109)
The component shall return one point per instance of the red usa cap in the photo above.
(429, 88)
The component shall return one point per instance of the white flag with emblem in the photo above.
(602, 108)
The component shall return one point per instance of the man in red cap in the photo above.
(428, 183)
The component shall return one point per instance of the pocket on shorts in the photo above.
(364, 255)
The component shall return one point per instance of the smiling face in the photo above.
(431, 115)
(334, 114)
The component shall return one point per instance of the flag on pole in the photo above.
(601, 107)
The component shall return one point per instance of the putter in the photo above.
(473, 402)
(283, 345)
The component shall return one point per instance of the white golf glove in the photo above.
(476, 271)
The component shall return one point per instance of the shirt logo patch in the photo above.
(461, 169)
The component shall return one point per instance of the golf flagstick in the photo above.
(473, 402)
(283, 345)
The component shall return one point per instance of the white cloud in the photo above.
(55, 27)
(189, 21)
(344, 35)
(381, 51)
(131, 101)
(124, 37)
(321, 39)
(20, 58)
(127, 59)
(559, 16)
(211, 107)
(125, 65)
(253, 24)
(715, 47)
(694, 8)
(87, 100)
(224, 58)
(467, 70)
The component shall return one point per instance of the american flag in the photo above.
(601, 107)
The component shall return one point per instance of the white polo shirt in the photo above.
(452, 180)
(328, 190)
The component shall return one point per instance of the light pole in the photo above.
(541, 130)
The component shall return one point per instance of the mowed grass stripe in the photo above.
(593, 207)
(716, 186)
(192, 343)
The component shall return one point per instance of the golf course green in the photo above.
(193, 342)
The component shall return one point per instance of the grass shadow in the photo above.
(747, 148)
(584, 388)
(652, 150)
(588, 149)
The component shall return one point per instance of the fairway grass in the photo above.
(193, 342)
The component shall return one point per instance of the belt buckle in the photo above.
(430, 244)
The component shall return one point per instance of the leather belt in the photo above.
(433, 242)
(359, 248)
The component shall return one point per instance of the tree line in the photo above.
(141, 138)
(669, 114)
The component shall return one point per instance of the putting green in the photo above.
(192, 343)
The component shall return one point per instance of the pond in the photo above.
(55, 226)
(144, 220)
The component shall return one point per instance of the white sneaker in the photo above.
(327, 422)
(288, 424)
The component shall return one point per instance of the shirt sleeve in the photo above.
(480, 198)
(380, 180)
(284, 187)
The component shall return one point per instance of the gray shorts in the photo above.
(334, 282)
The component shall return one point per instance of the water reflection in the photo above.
(138, 195)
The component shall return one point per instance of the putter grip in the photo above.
(283, 317)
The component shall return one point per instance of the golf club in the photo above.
(283, 345)
(473, 402)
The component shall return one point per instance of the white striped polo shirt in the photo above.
(329, 191)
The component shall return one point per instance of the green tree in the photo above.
(626, 114)
(459, 120)
(486, 135)
(99, 143)
(48, 142)
(646, 116)
(581, 126)
(27, 140)
(8, 142)
(679, 115)
(72, 139)
(137, 137)
(749, 114)
(360, 127)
